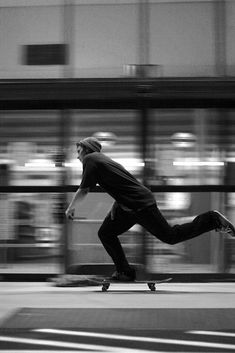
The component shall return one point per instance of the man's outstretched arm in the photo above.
(78, 197)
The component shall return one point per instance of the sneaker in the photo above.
(128, 276)
(225, 226)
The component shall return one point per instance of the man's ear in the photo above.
(87, 150)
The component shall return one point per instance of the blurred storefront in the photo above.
(154, 81)
(180, 148)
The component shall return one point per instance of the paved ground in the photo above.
(178, 317)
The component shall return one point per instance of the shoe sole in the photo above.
(227, 222)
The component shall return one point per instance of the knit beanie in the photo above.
(92, 143)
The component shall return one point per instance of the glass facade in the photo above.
(177, 147)
(154, 81)
(30, 222)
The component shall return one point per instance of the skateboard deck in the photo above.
(105, 283)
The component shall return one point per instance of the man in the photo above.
(134, 203)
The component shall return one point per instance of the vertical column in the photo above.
(64, 136)
(68, 34)
(144, 60)
(69, 72)
(143, 27)
(201, 133)
(220, 37)
(217, 250)
(143, 131)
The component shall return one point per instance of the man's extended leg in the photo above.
(108, 234)
(152, 220)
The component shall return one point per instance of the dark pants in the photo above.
(152, 220)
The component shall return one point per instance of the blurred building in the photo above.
(96, 54)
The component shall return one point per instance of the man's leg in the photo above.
(153, 221)
(108, 234)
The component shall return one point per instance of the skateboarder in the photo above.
(134, 203)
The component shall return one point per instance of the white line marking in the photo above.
(140, 339)
(45, 351)
(212, 333)
(91, 347)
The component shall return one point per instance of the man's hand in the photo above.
(70, 213)
(78, 197)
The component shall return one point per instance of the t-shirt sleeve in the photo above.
(89, 175)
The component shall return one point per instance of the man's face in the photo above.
(81, 153)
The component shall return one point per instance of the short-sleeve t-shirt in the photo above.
(116, 181)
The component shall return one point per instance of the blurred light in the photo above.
(42, 163)
(106, 138)
(6, 161)
(183, 139)
(132, 164)
(178, 201)
(230, 159)
(196, 163)
(74, 163)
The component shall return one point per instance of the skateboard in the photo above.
(105, 283)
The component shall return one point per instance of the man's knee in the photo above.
(102, 234)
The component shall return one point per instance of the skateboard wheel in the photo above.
(152, 287)
(105, 287)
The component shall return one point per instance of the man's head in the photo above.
(87, 145)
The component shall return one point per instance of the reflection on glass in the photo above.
(184, 147)
(188, 147)
(31, 223)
